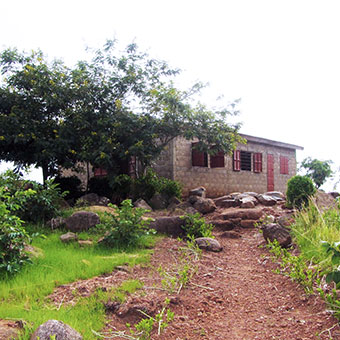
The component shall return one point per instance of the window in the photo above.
(198, 158)
(284, 165)
(242, 161)
(245, 160)
(99, 172)
(257, 161)
(217, 160)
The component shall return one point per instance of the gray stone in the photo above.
(248, 202)
(93, 199)
(204, 205)
(82, 221)
(68, 237)
(56, 328)
(286, 220)
(248, 223)
(209, 244)
(169, 225)
(140, 203)
(56, 222)
(85, 243)
(228, 203)
(223, 224)
(266, 200)
(158, 202)
(200, 191)
(277, 195)
(274, 231)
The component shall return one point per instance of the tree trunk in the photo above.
(45, 172)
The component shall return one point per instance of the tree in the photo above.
(118, 105)
(317, 170)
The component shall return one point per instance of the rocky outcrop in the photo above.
(82, 221)
(140, 203)
(209, 244)
(169, 225)
(200, 192)
(204, 205)
(274, 231)
(266, 200)
(58, 329)
(93, 199)
(158, 202)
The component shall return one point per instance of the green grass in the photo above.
(24, 295)
(313, 226)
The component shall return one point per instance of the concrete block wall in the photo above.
(175, 163)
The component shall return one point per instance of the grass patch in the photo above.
(23, 296)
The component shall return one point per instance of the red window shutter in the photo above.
(217, 160)
(284, 165)
(198, 158)
(257, 158)
(99, 172)
(237, 160)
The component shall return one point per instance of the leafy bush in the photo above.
(12, 234)
(40, 206)
(100, 186)
(146, 186)
(71, 184)
(125, 226)
(170, 188)
(300, 189)
(122, 187)
(195, 226)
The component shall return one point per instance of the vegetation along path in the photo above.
(234, 295)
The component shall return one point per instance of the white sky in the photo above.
(281, 57)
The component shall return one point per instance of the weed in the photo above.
(195, 226)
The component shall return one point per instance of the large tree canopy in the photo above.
(317, 170)
(104, 111)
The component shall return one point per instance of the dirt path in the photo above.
(243, 298)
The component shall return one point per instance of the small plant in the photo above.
(334, 273)
(195, 226)
(125, 226)
(299, 191)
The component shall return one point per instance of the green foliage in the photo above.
(13, 236)
(170, 188)
(125, 226)
(41, 205)
(195, 226)
(317, 170)
(122, 187)
(334, 273)
(146, 186)
(71, 185)
(299, 191)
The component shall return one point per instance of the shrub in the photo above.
(170, 188)
(13, 236)
(300, 189)
(41, 205)
(146, 186)
(122, 187)
(125, 226)
(71, 185)
(195, 226)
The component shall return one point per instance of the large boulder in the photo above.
(58, 329)
(200, 191)
(158, 202)
(204, 205)
(277, 195)
(169, 225)
(209, 244)
(266, 200)
(82, 221)
(274, 231)
(140, 203)
(248, 202)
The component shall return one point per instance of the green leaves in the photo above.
(333, 275)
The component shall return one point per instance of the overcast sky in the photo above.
(281, 57)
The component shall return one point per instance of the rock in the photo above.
(82, 221)
(266, 200)
(274, 231)
(9, 329)
(56, 222)
(286, 220)
(193, 199)
(68, 237)
(209, 244)
(248, 223)
(83, 243)
(334, 194)
(230, 234)
(140, 203)
(223, 224)
(228, 203)
(169, 225)
(56, 328)
(93, 199)
(204, 205)
(254, 214)
(158, 202)
(33, 252)
(248, 202)
(200, 191)
(277, 195)
(173, 203)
